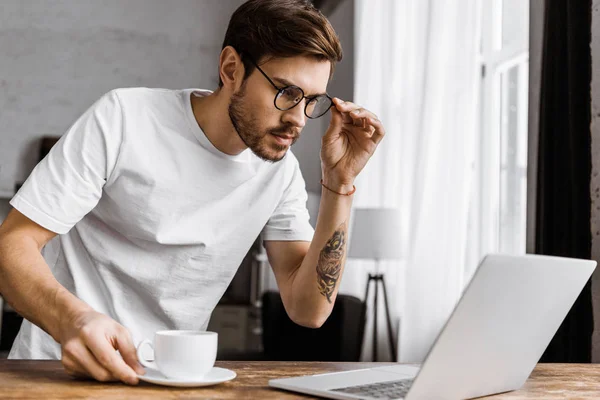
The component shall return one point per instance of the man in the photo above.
(157, 195)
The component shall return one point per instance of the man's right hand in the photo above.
(90, 341)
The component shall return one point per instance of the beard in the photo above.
(247, 127)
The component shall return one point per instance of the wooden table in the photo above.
(47, 380)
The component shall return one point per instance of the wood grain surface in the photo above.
(27, 379)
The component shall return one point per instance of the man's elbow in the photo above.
(310, 320)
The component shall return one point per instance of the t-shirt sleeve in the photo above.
(290, 220)
(67, 183)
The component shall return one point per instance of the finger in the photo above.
(344, 106)
(372, 130)
(361, 123)
(347, 118)
(107, 356)
(358, 133)
(129, 352)
(361, 118)
(73, 368)
(361, 126)
(355, 114)
(82, 363)
(362, 113)
(337, 119)
(379, 132)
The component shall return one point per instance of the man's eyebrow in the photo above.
(285, 82)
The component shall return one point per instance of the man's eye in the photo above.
(292, 94)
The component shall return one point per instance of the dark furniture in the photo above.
(339, 339)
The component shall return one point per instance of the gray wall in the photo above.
(595, 183)
(58, 57)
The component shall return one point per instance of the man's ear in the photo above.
(231, 68)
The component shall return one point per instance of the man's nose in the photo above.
(295, 115)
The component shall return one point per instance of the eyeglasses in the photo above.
(289, 97)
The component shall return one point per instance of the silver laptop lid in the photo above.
(500, 328)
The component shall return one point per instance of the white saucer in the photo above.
(214, 376)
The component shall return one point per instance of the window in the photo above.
(497, 222)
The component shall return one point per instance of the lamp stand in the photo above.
(377, 278)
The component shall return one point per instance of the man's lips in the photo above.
(284, 136)
(283, 139)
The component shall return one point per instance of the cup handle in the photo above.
(141, 359)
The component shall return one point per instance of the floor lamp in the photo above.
(375, 236)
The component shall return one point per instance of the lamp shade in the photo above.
(375, 234)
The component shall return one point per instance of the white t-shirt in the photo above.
(153, 220)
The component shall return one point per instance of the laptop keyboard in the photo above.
(381, 390)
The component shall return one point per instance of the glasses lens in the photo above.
(288, 97)
(318, 106)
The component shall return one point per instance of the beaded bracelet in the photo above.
(350, 193)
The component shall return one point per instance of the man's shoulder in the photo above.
(144, 101)
(143, 93)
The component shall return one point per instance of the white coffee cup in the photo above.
(181, 354)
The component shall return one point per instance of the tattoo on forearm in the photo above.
(329, 265)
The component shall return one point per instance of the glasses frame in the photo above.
(280, 91)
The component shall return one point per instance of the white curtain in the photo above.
(417, 68)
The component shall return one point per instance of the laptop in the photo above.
(497, 332)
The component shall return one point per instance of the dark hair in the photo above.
(281, 28)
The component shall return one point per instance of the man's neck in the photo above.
(212, 115)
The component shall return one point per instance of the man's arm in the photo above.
(308, 274)
(28, 285)
(25, 279)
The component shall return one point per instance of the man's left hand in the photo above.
(350, 140)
